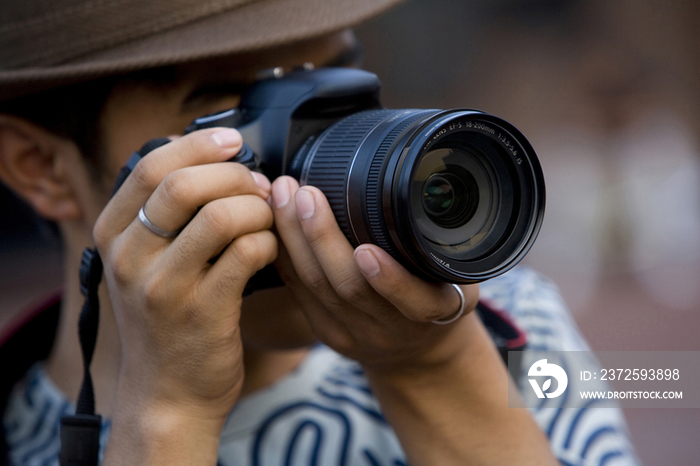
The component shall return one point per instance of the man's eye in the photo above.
(212, 93)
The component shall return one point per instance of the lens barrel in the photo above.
(455, 195)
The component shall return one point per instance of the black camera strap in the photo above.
(80, 433)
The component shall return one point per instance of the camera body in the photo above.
(454, 195)
(277, 116)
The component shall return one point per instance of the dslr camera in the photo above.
(454, 195)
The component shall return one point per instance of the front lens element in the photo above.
(438, 196)
(450, 198)
(463, 187)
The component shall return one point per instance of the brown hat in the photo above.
(48, 43)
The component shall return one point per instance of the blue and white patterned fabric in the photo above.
(324, 412)
(33, 417)
(587, 436)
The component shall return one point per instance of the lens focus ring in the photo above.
(328, 164)
(377, 225)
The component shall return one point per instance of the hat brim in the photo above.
(254, 26)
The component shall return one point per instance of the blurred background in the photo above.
(608, 92)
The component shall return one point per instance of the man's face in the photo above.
(139, 111)
(136, 112)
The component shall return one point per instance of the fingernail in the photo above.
(280, 193)
(227, 138)
(367, 262)
(261, 180)
(305, 204)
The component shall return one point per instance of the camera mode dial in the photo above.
(228, 119)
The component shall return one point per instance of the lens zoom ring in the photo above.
(330, 167)
(374, 206)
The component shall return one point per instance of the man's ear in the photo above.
(33, 163)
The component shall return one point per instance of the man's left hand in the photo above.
(361, 302)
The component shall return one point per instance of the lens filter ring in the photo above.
(502, 168)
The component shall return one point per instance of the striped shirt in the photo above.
(324, 412)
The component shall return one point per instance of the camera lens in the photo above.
(455, 195)
(438, 196)
(450, 198)
(473, 192)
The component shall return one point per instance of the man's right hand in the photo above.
(177, 300)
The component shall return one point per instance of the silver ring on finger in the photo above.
(154, 228)
(458, 313)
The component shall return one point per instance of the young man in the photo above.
(187, 370)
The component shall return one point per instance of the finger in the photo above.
(177, 198)
(197, 148)
(324, 324)
(322, 254)
(228, 276)
(216, 225)
(288, 227)
(417, 299)
(330, 246)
